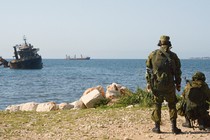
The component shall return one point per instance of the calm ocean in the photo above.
(66, 80)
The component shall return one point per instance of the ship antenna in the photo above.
(24, 38)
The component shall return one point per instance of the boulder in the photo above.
(49, 106)
(99, 88)
(115, 90)
(13, 108)
(65, 106)
(92, 98)
(78, 104)
(30, 106)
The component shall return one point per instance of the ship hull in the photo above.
(85, 58)
(33, 63)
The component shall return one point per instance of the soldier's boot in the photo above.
(201, 124)
(156, 129)
(187, 123)
(207, 128)
(175, 130)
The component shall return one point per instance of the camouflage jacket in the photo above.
(151, 63)
(203, 85)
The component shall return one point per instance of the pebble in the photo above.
(126, 138)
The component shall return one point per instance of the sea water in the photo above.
(65, 80)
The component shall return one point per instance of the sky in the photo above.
(105, 29)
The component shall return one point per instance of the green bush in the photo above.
(142, 98)
(102, 103)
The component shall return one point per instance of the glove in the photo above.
(148, 88)
(178, 87)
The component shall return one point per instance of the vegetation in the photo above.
(142, 98)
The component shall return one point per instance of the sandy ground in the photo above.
(94, 124)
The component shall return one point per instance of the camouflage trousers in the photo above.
(171, 98)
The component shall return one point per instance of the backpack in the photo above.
(195, 100)
(163, 69)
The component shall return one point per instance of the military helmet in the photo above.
(199, 76)
(164, 40)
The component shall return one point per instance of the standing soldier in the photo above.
(163, 77)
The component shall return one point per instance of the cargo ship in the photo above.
(77, 58)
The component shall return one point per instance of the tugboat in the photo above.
(26, 57)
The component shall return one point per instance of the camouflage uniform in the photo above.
(198, 80)
(167, 93)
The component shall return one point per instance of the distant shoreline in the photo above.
(200, 58)
(191, 58)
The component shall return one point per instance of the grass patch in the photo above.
(140, 97)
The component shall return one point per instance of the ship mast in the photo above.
(24, 38)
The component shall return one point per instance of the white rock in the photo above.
(78, 105)
(92, 98)
(13, 108)
(99, 88)
(65, 106)
(115, 90)
(49, 106)
(30, 106)
(130, 106)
